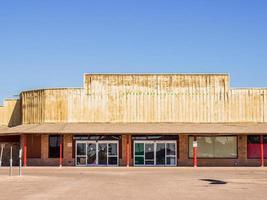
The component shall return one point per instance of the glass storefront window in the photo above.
(171, 149)
(91, 153)
(139, 149)
(254, 146)
(54, 146)
(139, 160)
(214, 146)
(112, 160)
(160, 154)
(139, 153)
(112, 149)
(81, 149)
(155, 153)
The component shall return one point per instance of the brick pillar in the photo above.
(44, 147)
(183, 148)
(67, 151)
(23, 146)
(130, 150)
(242, 150)
(124, 150)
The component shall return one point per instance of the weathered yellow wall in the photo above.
(10, 113)
(147, 98)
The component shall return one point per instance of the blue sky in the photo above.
(52, 43)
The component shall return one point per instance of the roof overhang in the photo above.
(137, 128)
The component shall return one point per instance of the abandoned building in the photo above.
(138, 120)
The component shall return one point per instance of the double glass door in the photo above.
(97, 153)
(155, 153)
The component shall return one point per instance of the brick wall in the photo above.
(183, 159)
(46, 161)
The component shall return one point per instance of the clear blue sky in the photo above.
(51, 43)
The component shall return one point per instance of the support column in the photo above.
(60, 151)
(128, 151)
(195, 151)
(24, 150)
(262, 151)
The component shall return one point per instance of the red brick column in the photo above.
(183, 151)
(123, 150)
(44, 147)
(242, 150)
(23, 146)
(68, 160)
(126, 150)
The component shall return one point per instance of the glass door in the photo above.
(113, 153)
(139, 153)
(102, 153)
(155, 153)
(171, 153)
(108, 153)
(160, 154)
(94, 153)
(81, 154)
(149, 153)
(91, 153)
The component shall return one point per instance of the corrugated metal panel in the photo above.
(147, 98)
(10, 113)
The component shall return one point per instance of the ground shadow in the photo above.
(214, 181)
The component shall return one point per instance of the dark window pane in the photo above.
(54, 146)
(139, 149)
(149, 155)
(160, 154)
(254, 139)
(81, 149)
(171, 149)
(139, 160)
(91, 153)
(102, 154)
(112, 161)
(149, 151)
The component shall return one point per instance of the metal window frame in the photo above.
(97, 151)
(155, 142)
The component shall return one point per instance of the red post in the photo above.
(24, 150)
(195, 151)
(262, 151)
(60, 151)
(127, 152)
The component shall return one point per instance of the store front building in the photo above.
(139, 120)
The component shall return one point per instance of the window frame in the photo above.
(237, 153)
(155, 142)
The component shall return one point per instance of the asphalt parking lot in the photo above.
(134, 183)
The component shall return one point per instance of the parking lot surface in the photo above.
(134, 183)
